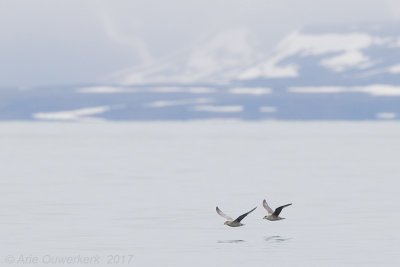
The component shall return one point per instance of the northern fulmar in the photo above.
(231, 222)
(273, 215)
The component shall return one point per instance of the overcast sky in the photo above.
(51, 42)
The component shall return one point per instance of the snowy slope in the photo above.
(352, 56)
(216, 60)
(231, 56)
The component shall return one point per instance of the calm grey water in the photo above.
(144, 194)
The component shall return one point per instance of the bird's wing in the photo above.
(279, 209)
(241, 217)
(223, 214)
(270, 211)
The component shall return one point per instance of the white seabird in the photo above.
(273, 215)
(231, 222)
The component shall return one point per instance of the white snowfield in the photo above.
(159, 89)
(219, 109)
(395, 69)
(386, 115)
(267, 109)
(374, 90)
(103, 90)
(182, 102)
(251, 91)
(72, 115)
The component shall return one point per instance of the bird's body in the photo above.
(273, 215)
(231, 222)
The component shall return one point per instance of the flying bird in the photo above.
(231, 222)
(273, 215)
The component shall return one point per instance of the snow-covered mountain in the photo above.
(356, 56)
(338, 53)
(344, 53)
(314, 73)
(218, 59)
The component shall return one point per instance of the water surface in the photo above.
(149, 189)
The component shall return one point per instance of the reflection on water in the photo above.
(230, 241)
(276, 238)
